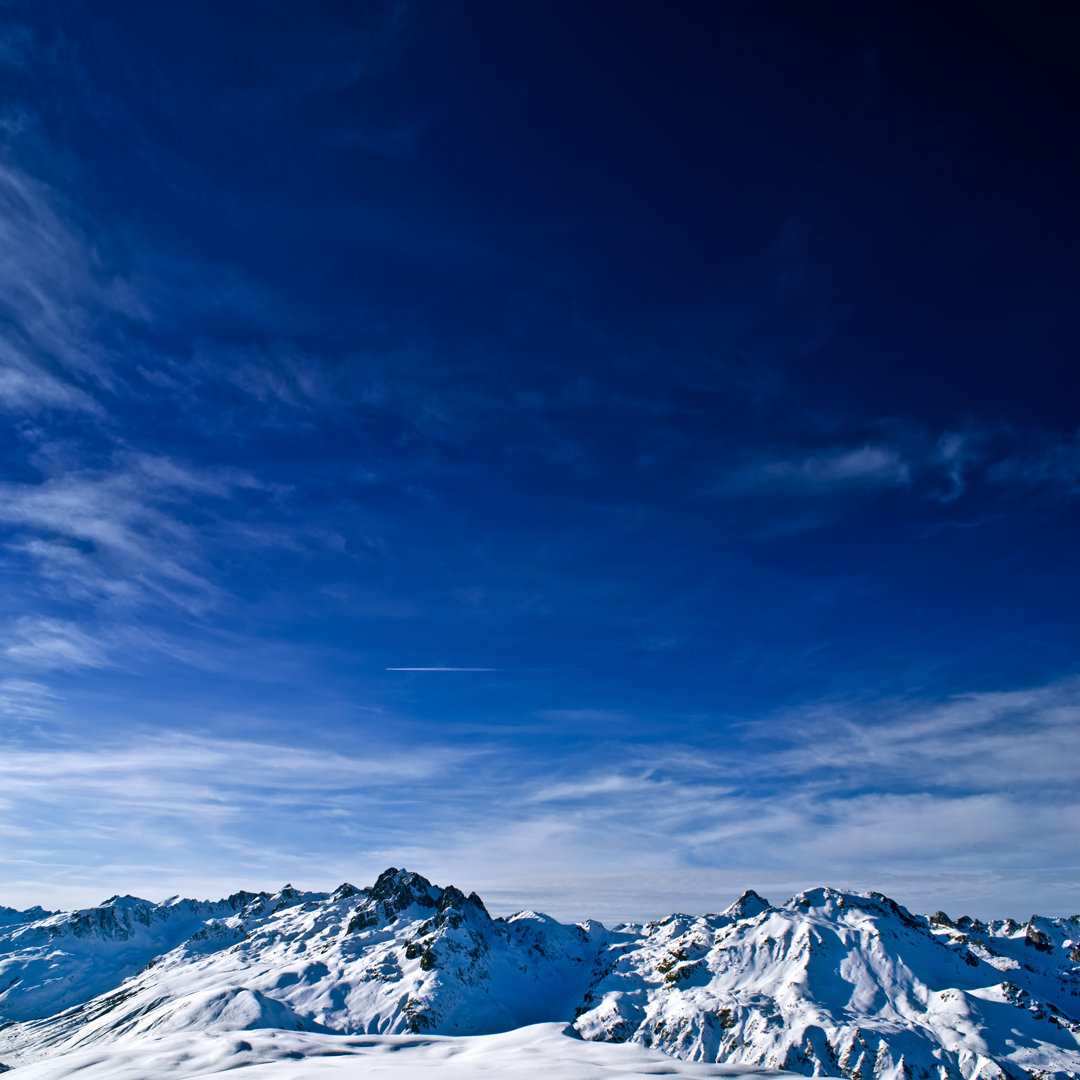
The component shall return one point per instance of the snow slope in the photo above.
(829, 983)
(529, 1052)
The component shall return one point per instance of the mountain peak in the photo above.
(747, 906)
(831, 902)
(126, 901)
(398, 889)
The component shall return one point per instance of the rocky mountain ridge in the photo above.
(828, 983)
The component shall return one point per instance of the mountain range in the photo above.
(830, 982)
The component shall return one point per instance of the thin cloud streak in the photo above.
(26, 701)
(112, 535)
(938, 469)
(53, 644)
(964, 742)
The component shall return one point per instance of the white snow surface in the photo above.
(408, 976)
(539, 1050)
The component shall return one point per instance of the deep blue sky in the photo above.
(705, 373)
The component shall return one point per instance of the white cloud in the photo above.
(26, 700)
(589, 787)
(117, 535)
(968, 802)
(53, 643)
(871, 465)
(1029, 738)
(839, 469)
(176, 807)
(939, 469)
(24, 387)
(49, 284)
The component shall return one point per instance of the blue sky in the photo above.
(688, 397)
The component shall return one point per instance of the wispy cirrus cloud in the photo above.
(52, 292)
(97, 521)
(25, 387)
(26, 700)
(861, 466)
(116, 534)
(45, 643)
(228, 772)
(119, 547)
(198, 807)
(970, 742)
(932, 847)
(847, 794)
(99, 513)
(938, 469)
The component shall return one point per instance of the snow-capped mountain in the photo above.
(828, 983)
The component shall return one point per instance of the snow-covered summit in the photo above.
(747, 906)
(830, 982)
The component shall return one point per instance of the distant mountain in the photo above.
(828, 983)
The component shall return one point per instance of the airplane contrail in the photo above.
(442, 669)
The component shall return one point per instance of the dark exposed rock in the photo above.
(1034, 937)
(398, 889)
(240, 899)
(362, 920)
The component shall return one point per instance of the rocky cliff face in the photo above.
(829, 982)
